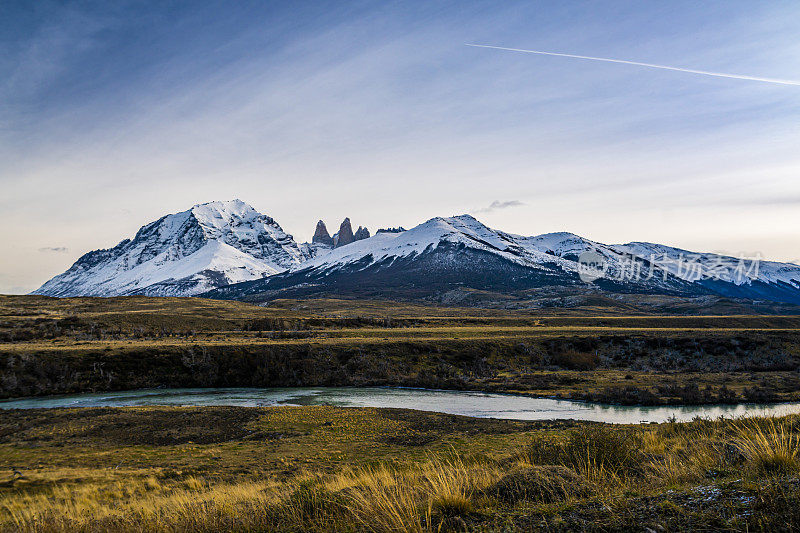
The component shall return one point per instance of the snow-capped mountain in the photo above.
(737, 277)
(232, 251)
(187, 253)
(543, 252)
(443, 254)
(693, 266)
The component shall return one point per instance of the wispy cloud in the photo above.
(497, 205)
(55, 249)
(648, 65)
(105, 102)
(774, 200)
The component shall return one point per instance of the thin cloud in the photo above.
(765, 201)
(649, 65)
(774, 200)
(55, 249)
(497, 205)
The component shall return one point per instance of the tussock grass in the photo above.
(420, 498)
(545, 484)
(616, 476)
(600, 454)
(145, 505)
(438, 492)
(684, 453)
(770, 446)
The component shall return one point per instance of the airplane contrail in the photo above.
(650, 65)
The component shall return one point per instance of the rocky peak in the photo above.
(361, 233)
(183, 254)
(344, 235)
(321, 235)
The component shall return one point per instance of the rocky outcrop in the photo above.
(361, 233)
(321, 235)
(345, 234)
(322, 240)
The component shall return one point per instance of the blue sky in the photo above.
(115, 113)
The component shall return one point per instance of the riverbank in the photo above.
(335, 469)
(525, 365)
(54, 346)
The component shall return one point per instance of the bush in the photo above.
(309, 503)
(544, 450)
(545, 484)
(775, 508)
(575, 360)
(600, 450)
(594, 451)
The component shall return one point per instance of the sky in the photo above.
(113, 114)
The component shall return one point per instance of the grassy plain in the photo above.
(383, 470)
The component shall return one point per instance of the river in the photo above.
(476, 404)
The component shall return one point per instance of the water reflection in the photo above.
(477, 404)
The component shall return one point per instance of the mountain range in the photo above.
(229, 250)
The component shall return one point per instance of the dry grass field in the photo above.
(338, 469)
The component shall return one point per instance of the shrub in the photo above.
(310, 503)
(595, 451)
(544, 449)
(598, 452)
(546, 484)
(575, 360)
(775, 508)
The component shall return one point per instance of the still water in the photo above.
(478, 404)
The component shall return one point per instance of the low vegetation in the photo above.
(53, 346)
(333, 469)
(293, 469)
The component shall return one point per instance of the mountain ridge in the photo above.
(230, 250)
(462, 253)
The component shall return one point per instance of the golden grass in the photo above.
(383, 498)
(416, 499)
(771, 446)
(417, 491)
(147, 504)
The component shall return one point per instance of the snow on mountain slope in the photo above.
(446, 253)
(183, 254)
(443, 254)
(231, 245)
(460, 230)
(542, 252)
(693, 266)
(562, 249)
